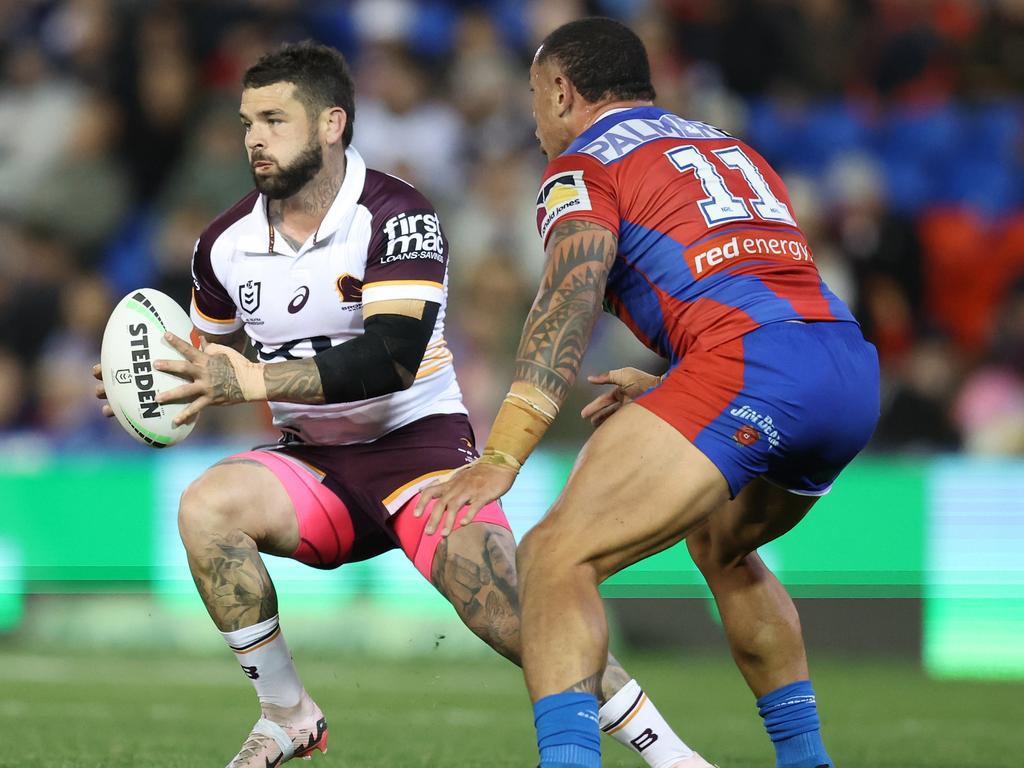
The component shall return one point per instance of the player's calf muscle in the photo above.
(233, 581)
(475, 570)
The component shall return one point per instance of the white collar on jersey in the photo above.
(256, 236)
(603, 115)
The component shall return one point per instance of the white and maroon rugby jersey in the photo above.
(380, 240)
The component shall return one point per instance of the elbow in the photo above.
(405, 378)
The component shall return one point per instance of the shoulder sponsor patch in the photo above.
(412, 235)
(560, 194)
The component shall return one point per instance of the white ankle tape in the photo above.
(277, 733)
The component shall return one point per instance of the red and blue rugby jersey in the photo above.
(708, 248)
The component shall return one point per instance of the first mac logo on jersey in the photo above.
(560, 194)
(413, 235)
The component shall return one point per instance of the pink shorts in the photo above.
(353, 502)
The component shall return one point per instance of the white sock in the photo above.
(266, 660)
(631, 719)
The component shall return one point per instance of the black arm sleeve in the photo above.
(383, 360)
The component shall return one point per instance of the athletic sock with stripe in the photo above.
(631, 719)
(265, 659)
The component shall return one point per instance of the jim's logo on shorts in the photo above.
(558, 195)
(746, 435)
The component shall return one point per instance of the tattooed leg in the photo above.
(475, 570)
(614, 678)
(226, 517)
(233, 581)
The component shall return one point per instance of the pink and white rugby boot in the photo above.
(278, 737)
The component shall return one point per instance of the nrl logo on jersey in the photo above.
(413, 236)
(249, 295)
(560, 194)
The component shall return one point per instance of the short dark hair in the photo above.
(320, 75)
(602, 58)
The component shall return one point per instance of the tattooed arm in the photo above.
(558, 328)
(555, 337)
(382, 360)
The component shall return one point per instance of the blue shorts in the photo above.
(790, 402)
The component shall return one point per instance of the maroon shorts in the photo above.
(353, 502)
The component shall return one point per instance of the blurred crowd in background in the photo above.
(898, 126)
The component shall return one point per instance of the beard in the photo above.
(290, 179)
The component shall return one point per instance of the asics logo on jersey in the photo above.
(299, 300)
(413, 236)
(558, 195)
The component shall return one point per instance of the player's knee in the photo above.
(698, 544)
(206, 506)
(530, 548)
(711, 554)
(544, 546)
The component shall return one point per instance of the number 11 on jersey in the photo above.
(721, 206)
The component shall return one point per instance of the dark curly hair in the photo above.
(320, 75)
(602, 58)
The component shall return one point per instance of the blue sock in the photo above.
(568, 735)
(791, 719)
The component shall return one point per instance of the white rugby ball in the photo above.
(132, 341)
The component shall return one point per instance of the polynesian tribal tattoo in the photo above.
(482, 588)
(233, 582)
(571, 294)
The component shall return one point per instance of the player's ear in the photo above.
(563, 94)
(333, 122)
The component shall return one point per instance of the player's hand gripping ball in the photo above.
(132, 341)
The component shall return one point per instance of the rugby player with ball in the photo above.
(335, 275)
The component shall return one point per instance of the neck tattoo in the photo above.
(313, 202)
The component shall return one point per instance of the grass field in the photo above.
(65, 711)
